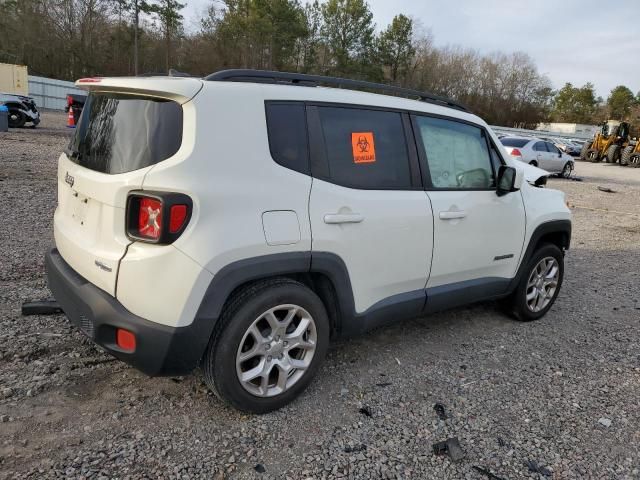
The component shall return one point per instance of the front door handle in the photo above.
(452, 214)
(336, 218)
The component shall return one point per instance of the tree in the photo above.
(396, 49)
(348, 32)
(168, 13)
(620, 102)
(575, 105)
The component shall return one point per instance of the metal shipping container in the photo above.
(13, 79)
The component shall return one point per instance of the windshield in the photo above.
(514, 142)
(120, 133)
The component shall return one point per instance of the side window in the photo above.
(552, 148)
(365, 148)
(287, 131)
(457, 154)
(540, 147)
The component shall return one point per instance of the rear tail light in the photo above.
(157, 217)
(516, 153)
(69, 100)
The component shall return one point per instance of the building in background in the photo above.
(576, 129)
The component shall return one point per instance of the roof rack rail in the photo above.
(303, 79)
(171, 73)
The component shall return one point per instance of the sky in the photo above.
(575, 41)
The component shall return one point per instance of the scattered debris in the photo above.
(358, 448)
(501, 442)
(365, 410)
(574, 178)
(439, 408)
(535, 468)
(384, 384)
(488, 473)
(398, 360)
(605, 422)
(260, 468)
(449, 447)
(41, 307)
(606, 189)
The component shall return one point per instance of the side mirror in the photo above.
(507, 180)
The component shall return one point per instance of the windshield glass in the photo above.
(514, 142)
(120, 133)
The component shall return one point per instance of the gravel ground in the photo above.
(558, 398)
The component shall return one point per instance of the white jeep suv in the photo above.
(240, 221)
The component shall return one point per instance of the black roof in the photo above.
(301, 79)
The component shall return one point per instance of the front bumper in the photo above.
(160, 350)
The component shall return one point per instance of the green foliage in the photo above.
(620, 102)
(348, 32)
(396, 49)
(575, 105)
(72, 38)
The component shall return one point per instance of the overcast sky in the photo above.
(575, 41)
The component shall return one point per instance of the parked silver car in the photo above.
(539, 153)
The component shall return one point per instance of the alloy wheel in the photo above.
(542, 284)
(276, 350)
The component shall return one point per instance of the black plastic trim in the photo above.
(457, 294)
(301, 79)
(562, 227)
(160, 350)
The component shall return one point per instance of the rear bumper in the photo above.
(160, 350)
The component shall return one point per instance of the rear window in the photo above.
(121, 133)
(514, 142)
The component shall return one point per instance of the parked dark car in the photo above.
(22, 110)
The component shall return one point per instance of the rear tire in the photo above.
(626, 155)
(592, 156)
(254, 325)
(17, 119)
(613, 152)
(536, 280)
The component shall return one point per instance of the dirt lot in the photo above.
(560, 396)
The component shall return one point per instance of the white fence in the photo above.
(50, 93)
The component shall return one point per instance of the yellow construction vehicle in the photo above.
(631, 155)
(608, 143)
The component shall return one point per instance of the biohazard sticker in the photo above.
(364, 148)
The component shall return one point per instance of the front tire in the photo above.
(626, 155)
(269, 343)
(584, 150)
(634, 161)
(592, 156)
(539, 286)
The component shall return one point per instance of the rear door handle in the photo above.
(452, 214)
(336, 218)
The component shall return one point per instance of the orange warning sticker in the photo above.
(364, 148)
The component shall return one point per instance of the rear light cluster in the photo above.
(516, 153)
(157, 217)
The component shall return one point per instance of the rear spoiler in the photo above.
(178, 89)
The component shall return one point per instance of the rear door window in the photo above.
(365, 148)
(514, 142)
(540, 147)
(120, 133)
(287, 130)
